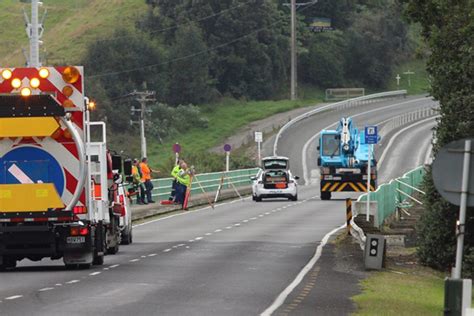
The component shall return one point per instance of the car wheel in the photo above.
(258, 199)
(293, 198)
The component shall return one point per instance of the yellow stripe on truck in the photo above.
(31, 197)
(342, 187)
(326, 186)
(28, 126)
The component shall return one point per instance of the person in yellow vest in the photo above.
(146, 179)
(183, 180)
(137, 182)
(174, 174)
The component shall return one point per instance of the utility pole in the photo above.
(34, 30)
(293, 51)
(142, 97)
(294, 62)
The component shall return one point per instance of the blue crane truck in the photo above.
(343, 160)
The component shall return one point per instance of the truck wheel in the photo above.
(325, 195)
(8, 263)
(113, 250)
(127, 237)
(98, 260)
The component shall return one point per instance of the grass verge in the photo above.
(419, 83)
(402, 292)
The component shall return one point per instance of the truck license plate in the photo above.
(76, 240)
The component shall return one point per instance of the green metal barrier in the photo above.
(392, 195)
(209, 182)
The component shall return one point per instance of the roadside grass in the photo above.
(402, 291)
(419, 80)
(69, 27)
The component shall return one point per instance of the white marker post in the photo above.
(227, 148)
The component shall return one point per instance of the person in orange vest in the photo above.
(137, 182)
(146, 179)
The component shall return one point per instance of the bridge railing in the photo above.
(393, 195)
(207, 181)
(338, 106)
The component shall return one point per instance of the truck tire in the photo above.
(113, 250)
(325, 195)
(127, 237)
(8, 263)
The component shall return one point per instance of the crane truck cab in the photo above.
(343, 160)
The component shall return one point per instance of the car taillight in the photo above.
(79, 210)
(74, 231)
(83, 231)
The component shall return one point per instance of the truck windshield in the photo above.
(330, 145)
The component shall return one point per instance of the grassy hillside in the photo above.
(69, 26)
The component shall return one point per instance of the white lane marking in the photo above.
(198, 238)
(253, 218)
(283, 295)
(189, 213)
(191, 240)
(181, 245)
(390, 143)
(14, 297)
(72, 281)
(152, 254)
(187, 247)
(218, 230)
(167, 250)
(114, 266)
(237, 224)
(228, 227)
(46, 289)
(261, 215)
(208, 234)
(306, 145)
(19, 174)
(142, 256)
(105, 269)
(95, 273)
(58, 284)
(245, 221)
(135, 260)
(267, 213)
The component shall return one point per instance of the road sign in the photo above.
(227, 147)
(177, 148)
(31, 165)
(448, 170)
(258, 137)
(371, 135)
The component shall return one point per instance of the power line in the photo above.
(113, 73)
(182, 24)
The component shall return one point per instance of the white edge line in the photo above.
(14, 297)
(187, 213)
(395, 136)
(283, 295)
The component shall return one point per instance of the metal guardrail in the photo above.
(406, 118)
(208, 181)
(338, 106)
(338, 94)
(392, 195)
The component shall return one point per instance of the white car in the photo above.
(126, 216)
(274, 180)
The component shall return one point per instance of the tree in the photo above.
(189, 80)
(448, 28)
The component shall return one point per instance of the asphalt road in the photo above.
(233, 260)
